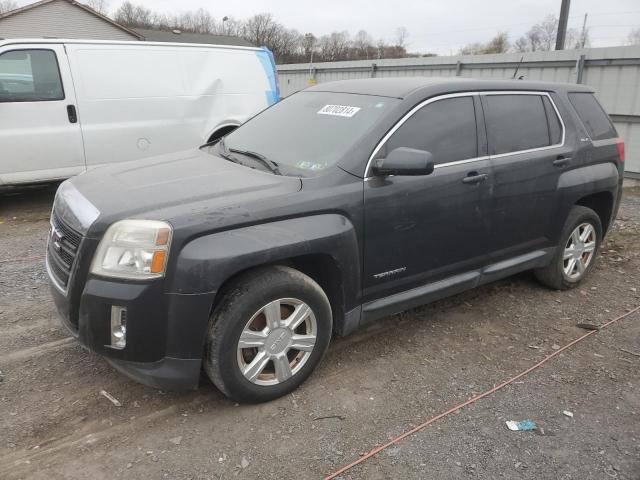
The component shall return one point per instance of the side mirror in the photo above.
(405, 161)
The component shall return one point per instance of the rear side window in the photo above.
(446, 128)
(516, 122)
(555, 129)
(593, 116)
(29, 76)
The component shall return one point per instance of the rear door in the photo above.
(529, 149)
(40, 137)
(422, 229)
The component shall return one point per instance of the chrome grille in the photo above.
(62, 249)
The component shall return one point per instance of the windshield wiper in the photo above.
(270, 164)
(223, 152)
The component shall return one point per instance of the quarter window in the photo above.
(555, 129)
(29, 76)
(593, 116)
(446, 128)
(516, 122)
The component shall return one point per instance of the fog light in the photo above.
(118, 327)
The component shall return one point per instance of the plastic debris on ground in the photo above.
(567, 413)
(523, 425)
(588, 326)
(110, 397)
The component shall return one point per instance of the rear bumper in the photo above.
(165, 332)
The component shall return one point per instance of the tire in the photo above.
(555, 274)
(261, 308)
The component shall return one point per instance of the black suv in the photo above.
(341, 204)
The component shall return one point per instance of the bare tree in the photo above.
(542, 36)
(131, 15)
(547, 32)
(261, 29)
(202, 21)
(335, 46)
(100, 6)
(287, 45)
(634, 37)
(7, 6)
(498, 44)
(401, 37)
(228, 26)
(475, 48)
(363, 45)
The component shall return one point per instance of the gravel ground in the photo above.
(372, 386)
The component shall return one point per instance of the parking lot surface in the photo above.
(373, 385)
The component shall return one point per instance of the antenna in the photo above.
(517, 67)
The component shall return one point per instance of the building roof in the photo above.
(178, 36)
(404, 86)
(90, 10)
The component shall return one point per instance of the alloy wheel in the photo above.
(277, 341)
(579, 251)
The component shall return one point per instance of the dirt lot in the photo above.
(373, 385)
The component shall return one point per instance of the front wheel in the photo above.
(267, 334)
(576, 253)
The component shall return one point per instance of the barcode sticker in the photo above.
(338, 110)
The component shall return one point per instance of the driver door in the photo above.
(40, 136)
(430, 228)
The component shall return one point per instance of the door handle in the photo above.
(475, 177)
(561, 161)
(71, 113)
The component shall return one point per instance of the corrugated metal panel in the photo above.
(614, 73)
(60, 19)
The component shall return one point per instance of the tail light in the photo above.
(620, 145)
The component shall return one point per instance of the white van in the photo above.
(70, 105)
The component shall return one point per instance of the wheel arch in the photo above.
(322, 268)
(323, 247)
(601, 203)
(221, 130)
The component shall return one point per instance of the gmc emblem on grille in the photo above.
(56, 238)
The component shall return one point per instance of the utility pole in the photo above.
(562, 24)
(583, 37)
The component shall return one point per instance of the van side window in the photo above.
(593, 116)
(30, 76)
(515, 122)
(555, 129)
(446, 128)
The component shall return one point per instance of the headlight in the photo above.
(135, 249)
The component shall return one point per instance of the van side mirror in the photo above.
(405, 161)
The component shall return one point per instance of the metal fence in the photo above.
(614, 73)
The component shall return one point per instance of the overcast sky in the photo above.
(440, 26)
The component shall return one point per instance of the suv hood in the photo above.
(150, 188)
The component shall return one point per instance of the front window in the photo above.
(445, 128)
(29, 76)
(306, 133)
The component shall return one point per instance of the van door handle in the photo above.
(561, 161)
(71, 113)
(475, 177)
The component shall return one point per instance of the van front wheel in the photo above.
(267, 334)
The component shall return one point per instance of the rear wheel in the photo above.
(267, 334)
(576, 253)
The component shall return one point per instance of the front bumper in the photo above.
(165, 332)
(167, 373)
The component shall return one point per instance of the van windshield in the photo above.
(308, 132)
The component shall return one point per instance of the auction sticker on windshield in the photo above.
(338, 110)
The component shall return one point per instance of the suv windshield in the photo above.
(307, 132)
